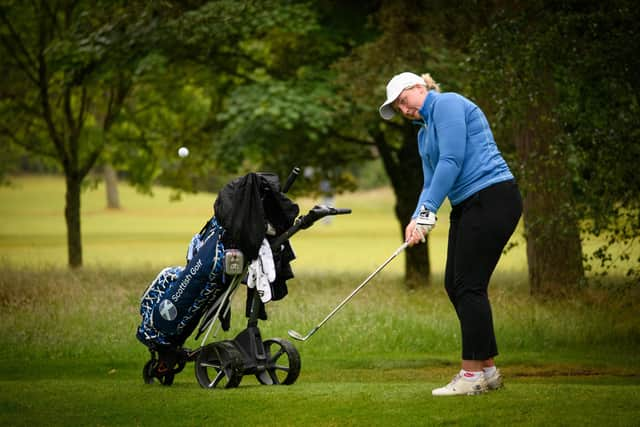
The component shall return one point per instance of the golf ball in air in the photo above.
(183, 152)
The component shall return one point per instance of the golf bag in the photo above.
(248, 212)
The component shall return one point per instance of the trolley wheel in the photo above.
(283, 362)
(151, 372)
(219, 365)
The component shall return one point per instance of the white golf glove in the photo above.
(425, 222)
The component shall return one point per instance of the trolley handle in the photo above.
(306, 221)
(340, 211)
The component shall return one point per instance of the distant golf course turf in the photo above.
(69, 356)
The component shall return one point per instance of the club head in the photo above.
(296, 335)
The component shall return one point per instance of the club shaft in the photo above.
(362, 285)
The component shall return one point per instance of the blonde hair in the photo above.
(430, 83)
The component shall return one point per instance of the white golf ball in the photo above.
(183, 152)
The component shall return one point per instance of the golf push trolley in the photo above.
(217, 264)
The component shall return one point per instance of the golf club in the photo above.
(298, 336)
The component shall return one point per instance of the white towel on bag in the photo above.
(262, 272)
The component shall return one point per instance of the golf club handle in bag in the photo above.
(291, 179)
(306, 221)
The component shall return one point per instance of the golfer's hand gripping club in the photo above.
(425, 222)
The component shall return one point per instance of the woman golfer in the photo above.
(460, 160)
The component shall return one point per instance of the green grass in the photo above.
(68, 354)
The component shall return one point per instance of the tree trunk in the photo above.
(72, 217)
(554, 251)
(404, 169)
(111, 187)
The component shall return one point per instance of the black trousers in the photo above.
(480, 228)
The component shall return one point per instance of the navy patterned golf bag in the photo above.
(248, 210)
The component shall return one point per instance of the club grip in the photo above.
(291, 179)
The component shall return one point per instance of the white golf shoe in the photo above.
(462, 386)
(494, 381)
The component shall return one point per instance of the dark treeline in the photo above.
(250, 85)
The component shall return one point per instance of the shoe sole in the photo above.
(495, 386)
(477, 392)
(469, 393)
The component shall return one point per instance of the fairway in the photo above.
(69, 355)
(158, 230)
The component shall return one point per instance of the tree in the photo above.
(111, 186)
(272, 100)
(558, 82)
(67, 64)
(71, 67)
(221, 64)
(407, 47)
(322, 99)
